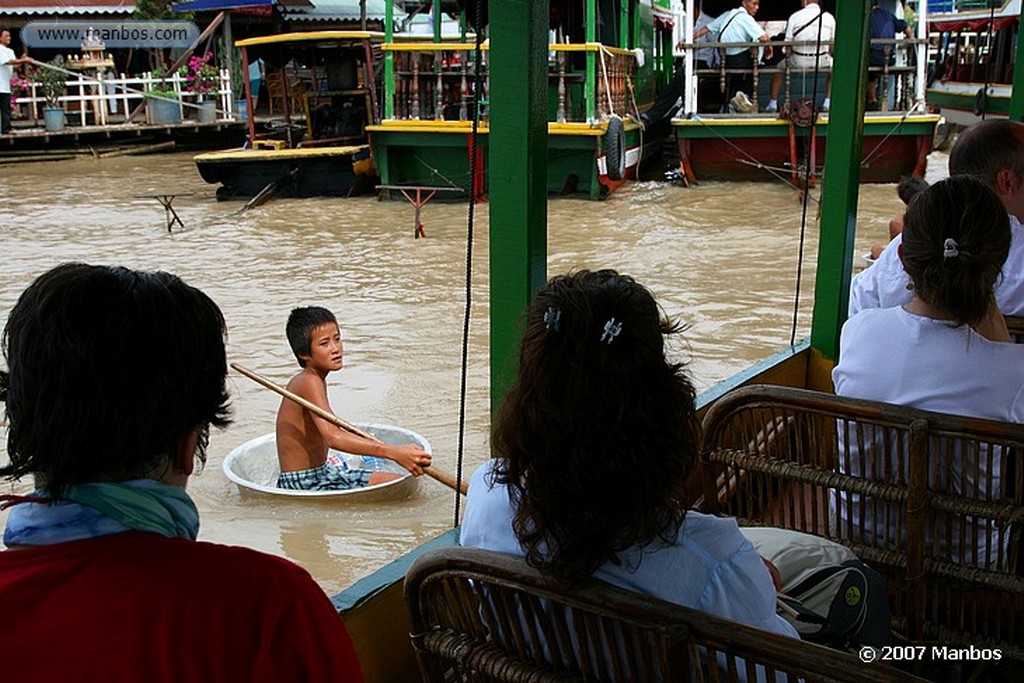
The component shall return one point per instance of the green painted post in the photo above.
(1017, 94)
(590, 35)
(437, 14)
(842, 175)
(389, 61)
(517, 175)
(624, 37)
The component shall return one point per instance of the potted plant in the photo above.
(52, 84)
(201, 80)
(162, 105)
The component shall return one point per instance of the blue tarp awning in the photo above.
(216, 5)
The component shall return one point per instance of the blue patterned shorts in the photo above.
(327, 477)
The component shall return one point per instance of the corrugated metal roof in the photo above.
(335, 10)
(66, 7)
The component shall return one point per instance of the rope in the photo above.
(477, 89)
(805, 194)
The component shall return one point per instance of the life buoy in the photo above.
(615, 149)
(980, 102)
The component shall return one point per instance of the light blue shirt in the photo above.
(742, 29)
(710, 567)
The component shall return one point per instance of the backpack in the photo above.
(828, 595)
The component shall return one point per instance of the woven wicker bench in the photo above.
(483, 616)
(935, 502)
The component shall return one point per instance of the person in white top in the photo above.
(815, 28)
(992, 151)
(947, 349)
(8, 60)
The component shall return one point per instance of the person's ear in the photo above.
(1007, 182)
(186, 460)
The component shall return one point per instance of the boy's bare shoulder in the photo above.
(307, 385)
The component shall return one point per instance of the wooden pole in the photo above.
(441, 476)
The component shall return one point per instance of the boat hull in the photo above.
(254, 468)
(761, 148)
(960, 102)
(313, 172)
(438, 153)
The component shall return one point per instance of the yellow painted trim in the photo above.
(425, 126)
(299, 37)
(302, 153)
(466, 127)
(432, 47)
(775, 121)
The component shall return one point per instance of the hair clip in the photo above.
(552, 318)
(611, 331)
(950, 249)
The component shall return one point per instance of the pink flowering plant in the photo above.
(19, 87)
(201, 76)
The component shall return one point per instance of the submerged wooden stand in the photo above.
(419, 201)
(167, 201)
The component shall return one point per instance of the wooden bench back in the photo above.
(483, 616)
(934, 501)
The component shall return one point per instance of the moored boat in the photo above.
(373, 608)
(972, 61)
(253, 466)
(603, 60)
(326, 87)
(760, 145)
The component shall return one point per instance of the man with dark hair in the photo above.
(992, 151)
(8, 60)
(114, 378)
(884, 26)
(738, 26)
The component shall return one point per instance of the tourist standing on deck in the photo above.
(738, 26)
(884, 26)
(597, 436)
(815, 28)
(993, 152)
(8, 60)
(114, 378)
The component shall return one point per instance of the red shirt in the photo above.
(142, 607)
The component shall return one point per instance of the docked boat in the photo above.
(758, 145)
(253, 466)
(603, 59)
(972, 58)
(755, 460)
(324, 84)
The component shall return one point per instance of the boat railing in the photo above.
(897, 89)
(434, 82)
(92, 99)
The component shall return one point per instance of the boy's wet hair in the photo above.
(956, 237)
(109, 371)
(300, 326)
(909, 187)
(599, 423)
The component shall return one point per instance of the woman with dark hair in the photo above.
(114, 378)
(946, 350)
(597, 436)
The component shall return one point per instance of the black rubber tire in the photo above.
(615, 149)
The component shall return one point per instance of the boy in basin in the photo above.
(303, 438)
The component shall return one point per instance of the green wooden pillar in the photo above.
(624, 36)
(517, 175)
(437, 15)
(389, 61)
(590, 35)
(1017, 94)
(842, 175)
